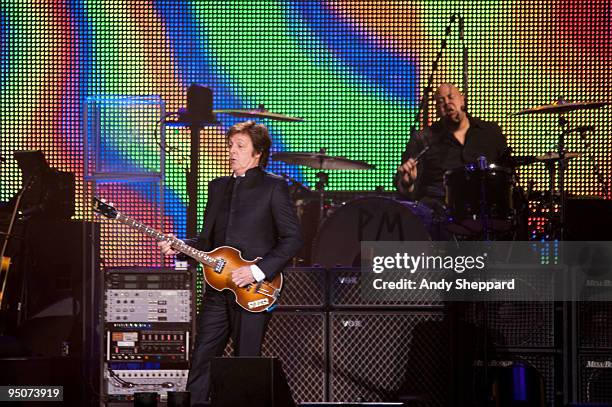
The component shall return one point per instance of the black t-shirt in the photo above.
(446, 153)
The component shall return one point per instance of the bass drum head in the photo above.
(338, 241)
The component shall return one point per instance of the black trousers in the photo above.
(219, 318)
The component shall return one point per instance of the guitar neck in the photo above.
(175, 243)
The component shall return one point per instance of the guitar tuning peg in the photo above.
(111, 204)
(102, 200)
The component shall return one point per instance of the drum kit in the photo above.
(483, 201)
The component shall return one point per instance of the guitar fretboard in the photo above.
(175, 243)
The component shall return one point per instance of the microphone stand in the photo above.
(422, 110)
(464, 62)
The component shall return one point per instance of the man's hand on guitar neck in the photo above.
(165, 247)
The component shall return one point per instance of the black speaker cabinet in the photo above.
(595, 325)
(514, 324)
(304, 288)
(595, 378)
(345, 285)
(423, 357)
(255, 382)
(298, 339)
(372, 355)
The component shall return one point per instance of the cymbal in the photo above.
(322, 161)
(521, 160)
(259, 113)
(562, 106)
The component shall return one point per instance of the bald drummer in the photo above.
(455, 140)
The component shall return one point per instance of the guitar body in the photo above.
(256, 297)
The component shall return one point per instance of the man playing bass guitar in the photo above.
(251, 210)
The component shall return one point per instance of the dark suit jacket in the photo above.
(262, 222)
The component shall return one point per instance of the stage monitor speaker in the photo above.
(266, 387)
(44, 371)
(145, 399)
(179, 399)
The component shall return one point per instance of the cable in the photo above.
(130, 385)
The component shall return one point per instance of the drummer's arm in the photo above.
(502, 141)
(405, 182)
(406, 175)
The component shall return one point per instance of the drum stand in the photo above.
(485, 214)
(556, 223)
(560, 230)
(484, 211)
(552, 200)
(320, 187)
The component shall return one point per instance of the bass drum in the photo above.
(338, 241)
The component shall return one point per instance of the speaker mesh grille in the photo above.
(595, 320)
(303, 287)
(595, 379)
(345, 285)
(515, 324)
(369, 354)
(298, 340)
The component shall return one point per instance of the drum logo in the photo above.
(390, 222)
